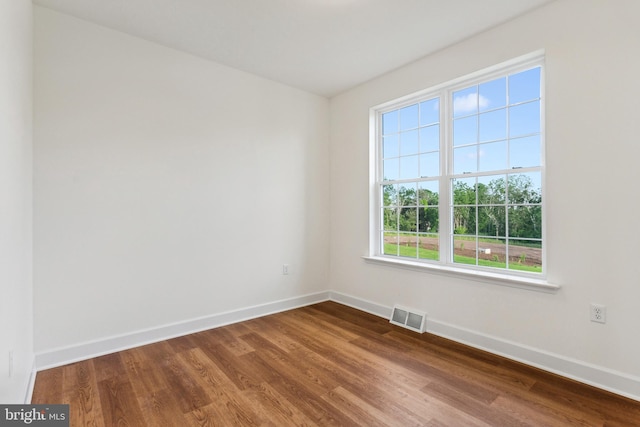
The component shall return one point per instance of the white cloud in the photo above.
(467, 103)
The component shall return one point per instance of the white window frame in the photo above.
(446, 266)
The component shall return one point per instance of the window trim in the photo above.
(445, 265)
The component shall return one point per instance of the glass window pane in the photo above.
(465, 101)
(493, 156)
(407, 194)
(465, 159)
(524, 119)
(429, 165)
(390, 219)
(524, 86)
(409, 117)
(465, 131)
(390, 146)
(409, 142)
(390, 243)
(428, 246)
(390, 169)
(428, 193)
(409, 167)
(390, 122)
(492, 221)
(389, 195)
(492, 190)
(492, 253)
(430, 138)
(525, 221)
(464, 191)
(464, 220)
(524, 188)
(430, 112)
(428, 220)
(525, 255)
(464, 250)
(408, 220)
(524, 152)
(493, 125)
(493, 94)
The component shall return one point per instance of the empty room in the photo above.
(319, 212)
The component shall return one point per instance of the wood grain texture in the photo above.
(322, 365)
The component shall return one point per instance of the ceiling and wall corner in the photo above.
(321, 46)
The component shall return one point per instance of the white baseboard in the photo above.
(87, 350)
(597, 376)
(607, 379)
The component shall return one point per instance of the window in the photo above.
(459, 174)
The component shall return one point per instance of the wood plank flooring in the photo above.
(325, 364)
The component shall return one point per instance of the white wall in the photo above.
(592, 69)
(166, 187)
(16, 322)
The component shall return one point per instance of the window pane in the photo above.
(390, 146)
(428, 193)
(525, 255)
(464, 220)
(465, 160)
(430, 112)
(390, 122)
(465, 131)
(492, 190)
(493, 156)
(409, 143)
(524, 119)
(390, 169)
(390, 219)
(390, 243)
(428, 246)
(524, 86)
(492, 221)
(407, 194)
(430, 138)
(524, 188)
(408, 220)
(389, 195)
(493, 125)
(465, 101)
(524, 152)
(492, 253)
(464, 191)
(464, 250)
(409, 167)
(409, 117)
(408, 245)
(428, 220)
(493, 94)
(525, 221)
(429, 165)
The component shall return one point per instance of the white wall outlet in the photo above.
(598, 313)
(285, 269)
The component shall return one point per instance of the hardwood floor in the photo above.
(325, 364)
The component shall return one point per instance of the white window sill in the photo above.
(521, 282)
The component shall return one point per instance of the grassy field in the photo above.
(420, 253)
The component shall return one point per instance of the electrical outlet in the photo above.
(285, 269)
(598, 313)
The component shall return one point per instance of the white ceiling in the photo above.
(322, 46)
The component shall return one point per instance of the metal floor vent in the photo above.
(409, 318)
